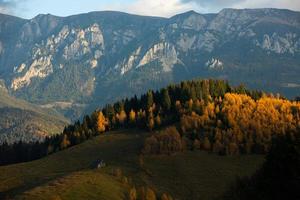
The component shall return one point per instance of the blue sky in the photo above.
(166, 8)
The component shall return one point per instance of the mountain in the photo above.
(22, 121)
(76, 63)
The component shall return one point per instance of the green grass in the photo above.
(198, 174)
(189, 175)
(80, 185)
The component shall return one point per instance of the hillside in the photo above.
(22, 121)
(202, 135)
(70, 171)
(75, 63)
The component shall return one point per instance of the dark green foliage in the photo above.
(150, 100)
(166, 101)
(278, 178)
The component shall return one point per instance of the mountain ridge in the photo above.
(85, 59)
(132, 14)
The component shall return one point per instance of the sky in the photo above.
(164, 8)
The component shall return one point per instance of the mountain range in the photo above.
(77, 63)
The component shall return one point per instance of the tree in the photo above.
(151, 122)
(132, 194)
(150, 100)
(158, 120)
(150, 194)
(122, 117)
(166, 141)
(109, 112)
(196, 144)
(132, 116)
(206, 144)
(101, 122)
(165, 196)
(65, 142)
(166, 101)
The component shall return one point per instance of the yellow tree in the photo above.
(65, 142)
(132, 116)
(150, 194)
(101, 122)
(122, 117)
(158, 120)
(132, 194)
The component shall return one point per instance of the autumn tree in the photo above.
(150, 194)
(65, 142)
(101, 122)
(165, 196)
(151, 121)
(122, 117)
(132, 194)
(132, 116)
(158, 120)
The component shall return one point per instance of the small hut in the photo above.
(98, 164)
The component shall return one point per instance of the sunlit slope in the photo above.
(20, 120)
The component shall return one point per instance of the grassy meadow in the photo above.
(69, 174)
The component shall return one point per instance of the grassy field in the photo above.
(188, 175)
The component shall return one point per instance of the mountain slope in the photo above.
(22, 121)
(78, 62)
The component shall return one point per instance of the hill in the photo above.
(22, 121)
(182, 120)
(68, 174)
(77, 62)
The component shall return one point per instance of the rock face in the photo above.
(88, 60)
(164, 52)
(40, 68)
(214, 64)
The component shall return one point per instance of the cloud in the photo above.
(164, 8)
(6, 6)
(286, 4)
(10, 6)
(217, 5)
(167, 8)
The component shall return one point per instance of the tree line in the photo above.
(232, 124)
(197, 102)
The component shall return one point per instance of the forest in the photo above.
(201, 114)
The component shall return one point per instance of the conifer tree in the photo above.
(166, 101)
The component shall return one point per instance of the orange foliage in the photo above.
(102, 122)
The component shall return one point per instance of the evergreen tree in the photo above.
(166, 101)
(150, 100)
